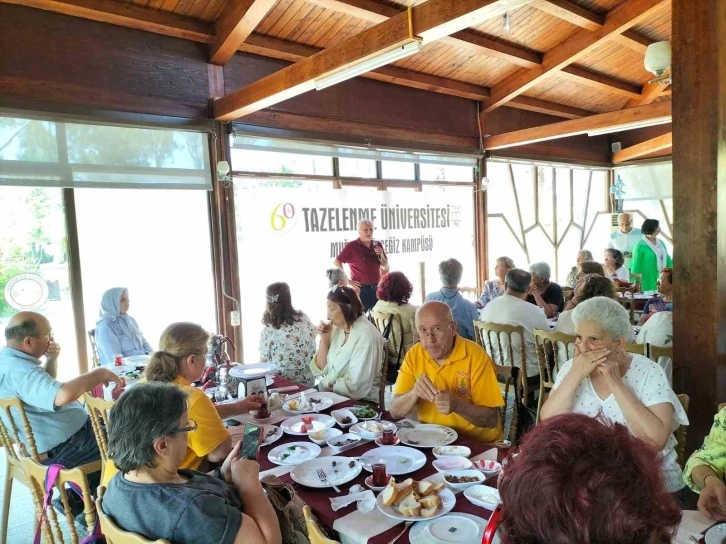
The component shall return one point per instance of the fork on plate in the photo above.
(324, 479)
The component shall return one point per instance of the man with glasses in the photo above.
(366, 259)
(447, 379)
(61, 428)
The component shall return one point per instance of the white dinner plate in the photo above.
(294, 425)
(245, 372)
(315, 403)
(272, 434)
(339, 470)
(428, 436)
(137, 360)
(269, 381)
(286, 454)
(399, 459)
(453, 528)
(716, 534)
(448, 500)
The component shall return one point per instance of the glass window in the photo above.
(34, 265)
(274, 162)
(357, 168)
(443, 172)
(398, 170)
(27, 140)
(156, 243)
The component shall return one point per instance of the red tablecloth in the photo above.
(319, 499)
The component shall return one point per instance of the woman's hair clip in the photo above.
(272, 298)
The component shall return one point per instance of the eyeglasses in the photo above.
(435, 331)
(191, 428)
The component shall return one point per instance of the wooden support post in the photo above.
(699, 208)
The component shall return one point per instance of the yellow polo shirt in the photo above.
(210, 432)
(468, 373)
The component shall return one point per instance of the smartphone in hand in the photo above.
(251, 440)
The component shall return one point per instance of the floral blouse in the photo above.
(492, 290)
(290, 348)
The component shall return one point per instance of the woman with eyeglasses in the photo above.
(348, 360)
(153, 496)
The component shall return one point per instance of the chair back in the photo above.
(36, 477)
(470, 293)
(315, 535)
(99, 411)
(112, 532)
(567, 292)
(627, 300)
(638, 349)
(547, 346)
(636, 280)
(94, 348)
(497, 341)
(681, 433)
(383, 373)
(10, 435)
(391, 327)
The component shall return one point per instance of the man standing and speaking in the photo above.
(366, 259)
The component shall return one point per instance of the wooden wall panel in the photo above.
(578, 148)
(61, 59)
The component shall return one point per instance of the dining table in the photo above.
(351, 525)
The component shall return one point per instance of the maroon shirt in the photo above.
(365, 267)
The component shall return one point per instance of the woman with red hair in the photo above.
(393, 295)
(583, 480)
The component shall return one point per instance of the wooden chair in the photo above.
(112, 532)
(315, 535)
(627, 300)
(395, 348)
(99, 411)
(681, 433)
(546, 346)
(638, 349)
(94, 348)
(15, 450)
(656, 352)
(35, 474)
(636, 280)
(470, 293)
(384, 372)
(489, 336)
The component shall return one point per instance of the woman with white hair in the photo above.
(545, 293)
(627, 388)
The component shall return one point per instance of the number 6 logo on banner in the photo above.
(278, 221)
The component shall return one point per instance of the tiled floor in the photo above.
(21, 523)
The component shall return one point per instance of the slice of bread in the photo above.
(430, 512)
(411, 512)
(390, 493)
(425, 488)
(409, 506)
(402, 493)
(438, 486)
(406, 483)
(430, 501)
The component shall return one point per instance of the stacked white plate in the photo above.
(246, 372)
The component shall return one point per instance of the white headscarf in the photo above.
(111, 311)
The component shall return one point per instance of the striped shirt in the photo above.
(22, 376)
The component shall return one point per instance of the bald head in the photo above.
(625, 222)
(437, 329)
(435, 309)
(28, 332)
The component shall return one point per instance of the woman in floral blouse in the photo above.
(288, 338)
(494, 288)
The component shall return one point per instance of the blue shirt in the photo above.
(465, 313)
(114, 337)
(22, 376)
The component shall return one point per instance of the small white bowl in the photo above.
(483, 495)
(328, 434)
(449, 451)
(489, 468)
(469, 472)
(447, 464)
(335, 442)
(341, 414)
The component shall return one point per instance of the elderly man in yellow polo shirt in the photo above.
(448, 379)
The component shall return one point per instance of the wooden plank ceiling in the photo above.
(571, 58)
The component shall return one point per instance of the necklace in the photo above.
(452, 296)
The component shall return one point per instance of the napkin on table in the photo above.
(336, 503)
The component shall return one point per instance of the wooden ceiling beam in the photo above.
(617, 21)
(238, 20)
(428, 21)
(633, 40)
(615, 121)
(601, 82)
(468, 40)
(548, 108)
(648, 93)
(642, 149)
(127, 15)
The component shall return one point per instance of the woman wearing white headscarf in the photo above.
(117, 333)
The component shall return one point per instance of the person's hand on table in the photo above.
(712, 502)
(425, 389)
(445, 402)
(105, 376)
(251, 402)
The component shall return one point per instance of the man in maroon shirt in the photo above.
(366, 259)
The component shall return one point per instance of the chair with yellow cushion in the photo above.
(112, 532)
(315, 535)
(491, 337)
(546, 346)
(681, 433)
(35, 474)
